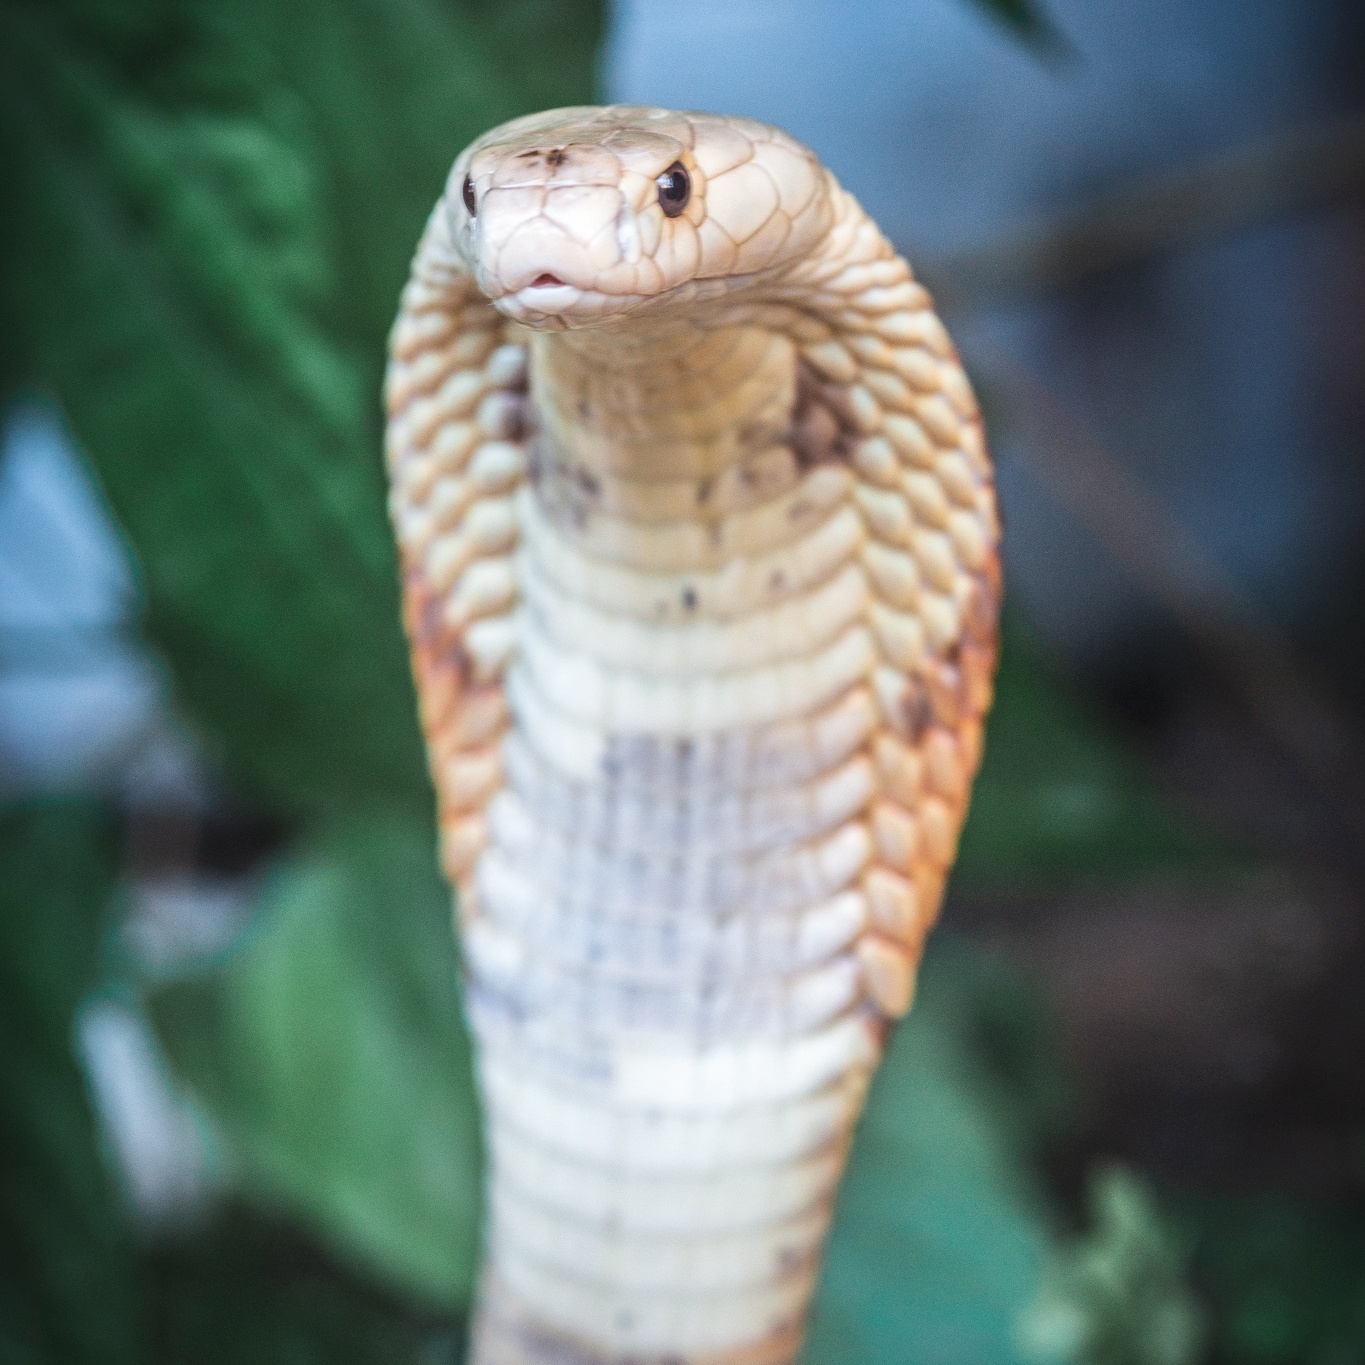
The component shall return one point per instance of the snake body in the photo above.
(701, 579)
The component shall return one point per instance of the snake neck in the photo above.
(672, 1045)
(713, 408)
(678, 424)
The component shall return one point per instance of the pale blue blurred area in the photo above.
(84, 707)
(1220, 373)
(78, 697)
(945, 125)
(1213, 376)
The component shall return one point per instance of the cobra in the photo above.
(701, 579)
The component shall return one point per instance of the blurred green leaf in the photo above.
(69, 1282)
(1119, 1294)
(331, 1052)
(1030, 21)
(1285, 1277)
(212, 211)
(1018, 13)
(1059, 796)
(941, 1239)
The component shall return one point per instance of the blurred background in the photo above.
(1126, 1120)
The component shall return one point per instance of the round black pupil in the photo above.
(468, 192)
(674, 187)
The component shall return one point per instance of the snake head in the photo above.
(576, 217)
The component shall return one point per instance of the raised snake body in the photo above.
(701, 577)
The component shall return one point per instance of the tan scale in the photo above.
(701, 575)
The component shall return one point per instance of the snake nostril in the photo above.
(544, 279)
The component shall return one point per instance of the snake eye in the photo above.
(675, 189)
(467, 194)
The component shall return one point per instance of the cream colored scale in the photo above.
(701, 576)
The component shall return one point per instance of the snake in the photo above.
(700, 564)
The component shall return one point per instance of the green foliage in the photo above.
(941, 1239)
(1288, 1277)
(226, 198)
(331, 1052)
(69, 1288)
(1118, 1295)
(211, 213)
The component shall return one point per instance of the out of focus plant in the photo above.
(1119, 1294)
(69, 1285)
(210, 209)
(1289, 1276)
(1030, 21)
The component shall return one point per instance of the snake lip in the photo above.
(545, 280)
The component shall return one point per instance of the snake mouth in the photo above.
(549, 303)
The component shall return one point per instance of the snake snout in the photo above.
(535, 258)
(537, 235)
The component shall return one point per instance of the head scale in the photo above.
(576, 217)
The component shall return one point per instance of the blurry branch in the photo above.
(1292, 171)
(1168, 563)
(1032, 23)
